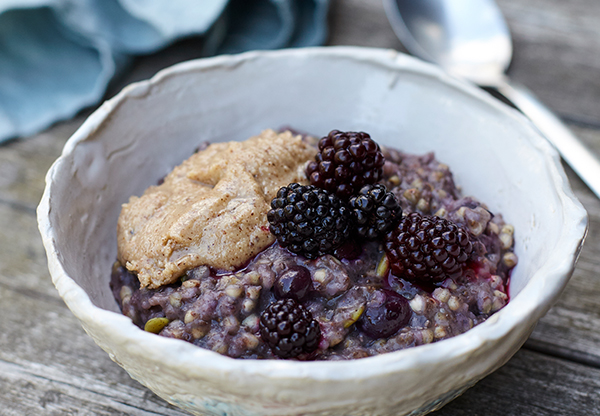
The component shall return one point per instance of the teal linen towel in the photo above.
(58, 56)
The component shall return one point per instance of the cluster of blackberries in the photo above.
(344, 200)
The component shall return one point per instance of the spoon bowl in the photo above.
(468, 38)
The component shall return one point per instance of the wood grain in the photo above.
(556, 53)
(532, 384)
(49, 366)
(35, 389)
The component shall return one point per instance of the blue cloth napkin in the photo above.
(58, 56)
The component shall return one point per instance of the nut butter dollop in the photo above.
(210, 210)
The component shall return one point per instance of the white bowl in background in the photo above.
(135, 138)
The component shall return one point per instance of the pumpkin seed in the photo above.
(155, 325)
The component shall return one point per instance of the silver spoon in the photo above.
(470, 39)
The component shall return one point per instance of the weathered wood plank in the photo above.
(361, 23)
(35, 389)
(532, 384)
(557, 53)
(572, 327)
(24, 163)
(48, 364)
(529, 384)
(22, 258)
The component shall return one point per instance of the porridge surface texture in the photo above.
(210, 210)
(220, 309)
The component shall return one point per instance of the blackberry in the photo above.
(289, 329)
(375, 211)
(345, 163)
(308, 220)
(427, 250)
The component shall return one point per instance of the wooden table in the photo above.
(49, 366)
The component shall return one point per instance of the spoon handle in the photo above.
(572, 150)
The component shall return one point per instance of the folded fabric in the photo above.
(58, 56)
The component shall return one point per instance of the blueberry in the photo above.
(385, 314)
(294, 283)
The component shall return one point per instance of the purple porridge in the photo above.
(357, 298)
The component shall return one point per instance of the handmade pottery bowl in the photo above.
(135, 138)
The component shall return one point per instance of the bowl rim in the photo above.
(534, 300)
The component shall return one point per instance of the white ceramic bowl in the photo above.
(136, 137)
